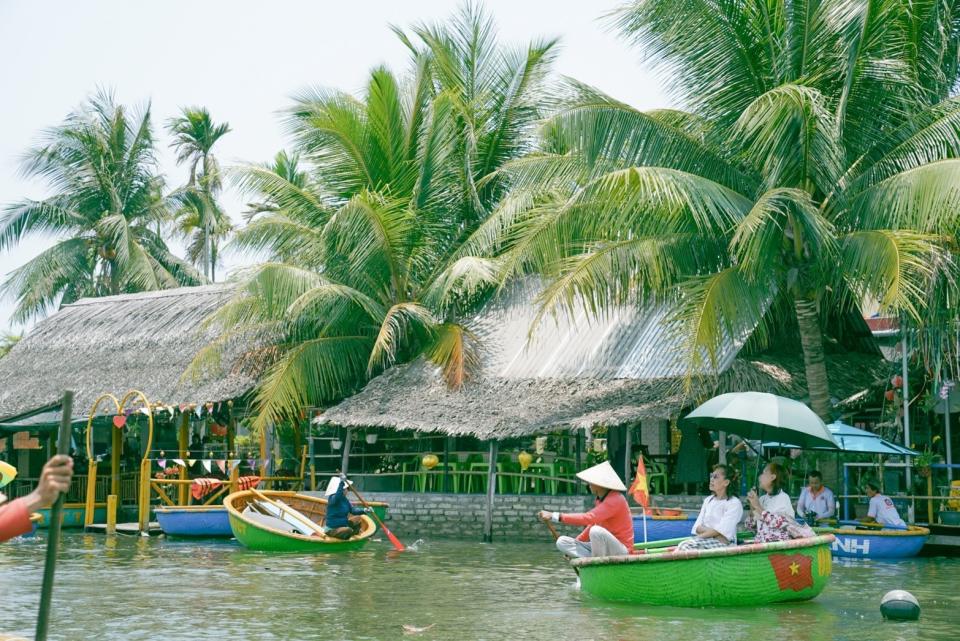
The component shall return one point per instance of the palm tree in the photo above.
(8, 340)
(365, 225)
(107, 196)
(199, 216)
(815, 166)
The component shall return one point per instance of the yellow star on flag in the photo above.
(794, 568)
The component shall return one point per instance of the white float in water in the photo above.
(900, 605)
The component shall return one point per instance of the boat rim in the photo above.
(232, 511)
(169, 509)
(687, 555)
(912, 530)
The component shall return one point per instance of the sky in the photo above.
(243, 60)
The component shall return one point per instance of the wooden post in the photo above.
(91, 503)
(116, 451)
(144, 502)
(930, 515)
(446, 464)
(578, 488)
(345, 458)
(491, 488)
(313, 463)
(263, 451)
(628, 445)
(183, 490)
(111, 514)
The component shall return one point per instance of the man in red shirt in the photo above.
(55, 478)
(608, 527)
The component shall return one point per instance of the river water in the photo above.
(131, 588)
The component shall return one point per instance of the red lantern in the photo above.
(889, 394)
(897, 381)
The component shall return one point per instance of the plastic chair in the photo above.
(656, 476)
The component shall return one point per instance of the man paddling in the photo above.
(608, 527)
(339, 510)
(54, 479)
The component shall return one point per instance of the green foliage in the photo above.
(105, 211)
(816, 168)
(369, 222)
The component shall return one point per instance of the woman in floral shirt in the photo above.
(771, 515)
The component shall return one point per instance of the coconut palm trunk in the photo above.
(814, 363)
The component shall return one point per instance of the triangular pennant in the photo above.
(162, 462)
(234, 465)
(207, 465)
(222, 465)
(179, 461)
(191, 461)
(251, 463)
(278, 462)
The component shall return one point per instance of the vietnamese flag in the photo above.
(793, 571)
(639, 489)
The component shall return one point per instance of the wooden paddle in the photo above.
(393, 539)
(556, 536)
(53, 532)
(289, 510)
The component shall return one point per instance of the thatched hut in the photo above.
(113, 344)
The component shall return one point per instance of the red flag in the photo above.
(793, 571)
(639, 489)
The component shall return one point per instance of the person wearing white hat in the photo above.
(608, 527)
(338, 519)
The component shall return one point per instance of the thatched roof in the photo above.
(415, 397)
(117, 343)
(574, 373)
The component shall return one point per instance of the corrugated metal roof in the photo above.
(623, 344)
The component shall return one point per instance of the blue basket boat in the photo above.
(670, 525)
(194, 520)
(865, 543)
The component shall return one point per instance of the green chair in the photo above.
(656, 476)
(481, 479)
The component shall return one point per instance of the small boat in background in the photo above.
(859, 542)
(752, 574)
(662, 524)
(260, 524)
(194, 520)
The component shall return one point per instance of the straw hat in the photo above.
(604, 476)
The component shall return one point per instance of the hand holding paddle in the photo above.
(393, 539)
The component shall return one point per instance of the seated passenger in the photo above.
(771, 514)
(882, 510)
(816, 502)
(54, 479)
(608, 526)
(716, 525)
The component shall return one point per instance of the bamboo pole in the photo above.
(90, 505)
(111, 514)
(53, 534)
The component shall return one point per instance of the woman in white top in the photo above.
(772, 512)
(716, 525)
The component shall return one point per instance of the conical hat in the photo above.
(334, 485)
(604, 476)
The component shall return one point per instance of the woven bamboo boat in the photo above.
(753, 574)
(867, 543)
(194, 520)
(255, 534)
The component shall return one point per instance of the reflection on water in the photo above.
(133, 588)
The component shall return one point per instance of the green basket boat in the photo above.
(753, 574)
(256, 535)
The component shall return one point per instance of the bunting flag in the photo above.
(278, 462)
(207, 465)
(639, 489)
(179, 461)
(251, 463)
(793, 571)
(191, 461)
(222, 465)
(234, 464)
(162, 462)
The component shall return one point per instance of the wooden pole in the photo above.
(491, 488)
(930, 515)
(446, 464)
(53, 534)
(345, 458)
(116, 441)
(183, 491)
(111, 514)
(578, 488)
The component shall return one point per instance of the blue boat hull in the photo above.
(187, 521)
(867, 545)
(660, 528)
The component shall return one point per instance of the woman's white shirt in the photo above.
(723, 516)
